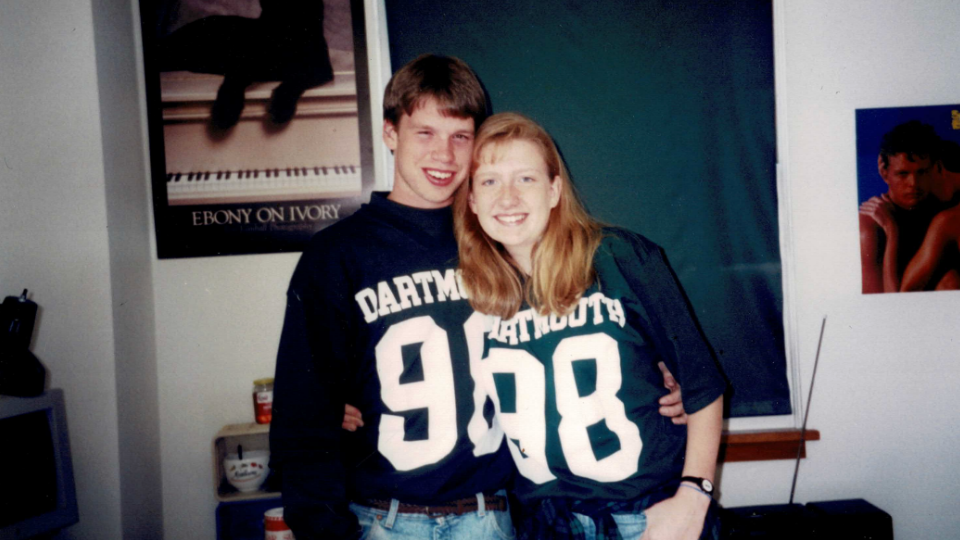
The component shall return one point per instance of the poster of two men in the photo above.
(908, 167)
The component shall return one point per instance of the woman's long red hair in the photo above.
(562, 260)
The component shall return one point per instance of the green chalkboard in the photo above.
(664, 112)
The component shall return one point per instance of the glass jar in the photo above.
(263, 400)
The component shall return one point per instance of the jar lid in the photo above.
(261, 382)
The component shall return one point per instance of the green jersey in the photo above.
(577, 395)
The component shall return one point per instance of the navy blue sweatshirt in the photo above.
(376, 317)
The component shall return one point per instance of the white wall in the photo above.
(131, 277)
(888, 368)
(53, 231)
(218, 326)
(889, 372)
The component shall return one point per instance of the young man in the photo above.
(893, 225)
(946, 178)
(376, 317)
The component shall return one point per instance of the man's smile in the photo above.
(439, 177)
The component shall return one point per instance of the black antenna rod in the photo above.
(806, 413)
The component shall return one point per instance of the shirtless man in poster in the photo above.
(893, 225)
(938, 260)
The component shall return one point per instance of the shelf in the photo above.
(764, 445)
(251, 436)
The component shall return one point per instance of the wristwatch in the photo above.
(703, 484)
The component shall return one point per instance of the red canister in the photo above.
(274, 526)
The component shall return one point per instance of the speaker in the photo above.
(851, 519)
(766, 522)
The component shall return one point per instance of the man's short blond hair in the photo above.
(448, 80)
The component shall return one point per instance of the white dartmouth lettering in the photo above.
(518, 329)
(405, 292)
(508, 331)
(541, 325)
(578, 317)
(448, 285)
(368, 304)
(522, 320)
(615, 308)
(594, 301)
(388, 303)
(557, 323)
(408, 292)
(423, 278)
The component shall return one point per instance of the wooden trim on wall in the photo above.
(764, 445)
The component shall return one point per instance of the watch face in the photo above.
(705, 485)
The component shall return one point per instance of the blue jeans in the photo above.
(391, 525)
(631, 526)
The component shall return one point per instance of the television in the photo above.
(39, 494)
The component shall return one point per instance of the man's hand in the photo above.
(352, 419)
(680, 517)
(671, 405)
(881, 210)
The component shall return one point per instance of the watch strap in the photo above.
(704, 485)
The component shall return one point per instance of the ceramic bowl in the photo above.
(247, 474)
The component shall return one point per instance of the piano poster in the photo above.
(259, 118)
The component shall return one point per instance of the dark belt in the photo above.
(463, 506)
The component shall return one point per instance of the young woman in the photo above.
(581, 316)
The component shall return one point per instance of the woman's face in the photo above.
(512, 195)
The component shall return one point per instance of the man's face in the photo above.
(909, 180)
(431, 155)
